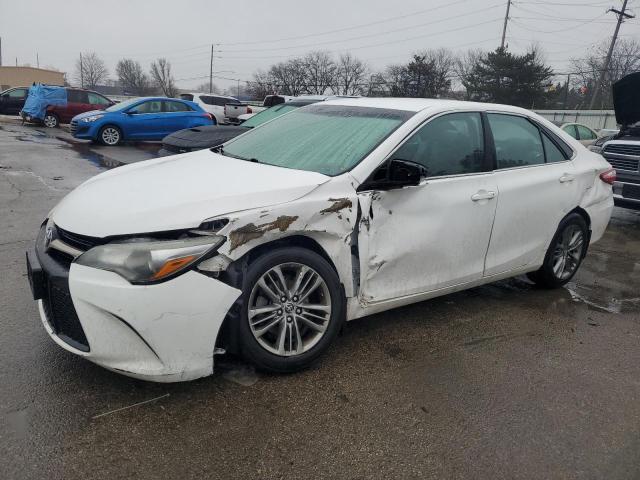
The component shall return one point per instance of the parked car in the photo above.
(210, 136)
(148, 118)
(78, 101)
(210, 102)
(12, 100)
(623, 150)
(237, 112)
(585, 135)
(334, 211)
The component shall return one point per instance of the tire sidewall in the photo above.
(251, 349)
(109, 144)
(546, 273)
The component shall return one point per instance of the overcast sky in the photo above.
(252, 34)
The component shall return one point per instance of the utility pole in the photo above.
(504, 27)
(0, 51)
(621, 16)
(211, 71)
(81, 72)
(566, 92)
(37, 60)
(238, 95)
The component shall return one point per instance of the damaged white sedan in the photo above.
(329, 213)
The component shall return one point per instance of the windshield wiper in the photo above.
(220, 149)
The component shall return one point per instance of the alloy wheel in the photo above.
(568, 252)
(50, 121)
(289, 309)
(110, 136)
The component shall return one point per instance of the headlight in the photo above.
(142, 261)
(92, 118)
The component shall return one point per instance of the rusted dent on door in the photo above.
(251, 231)
(338, 204)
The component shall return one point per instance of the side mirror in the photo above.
(396, 173)
(133, 111)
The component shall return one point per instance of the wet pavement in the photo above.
(501, 381)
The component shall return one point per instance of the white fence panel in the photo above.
(595, 119)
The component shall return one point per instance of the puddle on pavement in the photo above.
(601, 299)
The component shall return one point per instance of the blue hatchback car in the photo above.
(149, 118)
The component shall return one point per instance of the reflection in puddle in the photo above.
(600, 300)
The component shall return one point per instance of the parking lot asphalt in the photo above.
(501, 381)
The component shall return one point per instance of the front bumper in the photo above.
(164, 332)
(82, 130)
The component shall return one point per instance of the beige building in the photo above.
(25, 76)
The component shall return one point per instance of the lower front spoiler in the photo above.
(163, 333)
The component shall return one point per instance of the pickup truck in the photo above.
(622, 151)
(234, 110)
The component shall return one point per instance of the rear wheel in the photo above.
(292, 309)
(51, 120)
(110, 135)
(564, 255)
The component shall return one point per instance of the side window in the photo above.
(152, 106)
(209, 100)
(585, 133)
(77, 96)
(571, 130)
(517, 141)
(221, 101)
(176, 107)
(95, 99)
(552, 152)
(452, 144)
(186, 96)
(18, 93)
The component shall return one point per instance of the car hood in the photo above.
(89, 114)
(203, 137)
(626, 99)
(177, 192)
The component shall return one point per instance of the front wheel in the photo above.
(110, 135)
(292, 309)
(51, 120)
(564, 255)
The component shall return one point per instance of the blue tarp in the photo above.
(40, 97)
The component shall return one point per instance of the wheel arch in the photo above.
(110, 123)
(233, 276)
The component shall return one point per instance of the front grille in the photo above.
(623, 149)
(81, 242)
(62, 316)
(629, 164)
(73, 126)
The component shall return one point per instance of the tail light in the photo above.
(608, 176)
(249, 110)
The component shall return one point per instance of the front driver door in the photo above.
(145, 121)
(434, 235)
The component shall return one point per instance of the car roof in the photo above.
(206, 93)
(419, 104)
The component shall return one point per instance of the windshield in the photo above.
(118, 107)
(328, 139)
(268, 114)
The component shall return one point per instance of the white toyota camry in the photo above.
(329, 213)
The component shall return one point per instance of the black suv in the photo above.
(12, 100)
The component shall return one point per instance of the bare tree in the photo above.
(90, 71)
(320, 72)
(263, 84)
(162, 78)
(204, 87)
(289, 78)
(586, 70)
(132, 77)
(465, 65)
(350, 77)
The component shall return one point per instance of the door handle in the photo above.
(566, 178)
(483, 195)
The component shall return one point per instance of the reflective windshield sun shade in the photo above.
(329, 139)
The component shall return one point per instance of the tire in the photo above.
(110, 135)
(287, 336)
(565, 253)
(51, 120)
